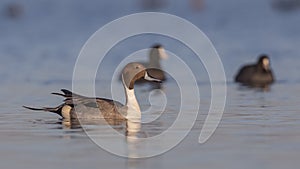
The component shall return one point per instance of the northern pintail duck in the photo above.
(157, 53)
(76, 106)
(256, 74)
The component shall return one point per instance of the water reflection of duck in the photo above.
(80, 107)
(259, 74)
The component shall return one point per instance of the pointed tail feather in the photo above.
(56, 110)
(67, 92)
(59, 94)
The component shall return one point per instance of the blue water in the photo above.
(38, 49)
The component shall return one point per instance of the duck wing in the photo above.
(87, 107)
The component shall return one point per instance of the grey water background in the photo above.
(39, 49)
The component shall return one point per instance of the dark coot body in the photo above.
(259, 74)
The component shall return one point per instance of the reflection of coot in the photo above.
(14, 10)
(259, 74)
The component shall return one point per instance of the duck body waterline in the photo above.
(76, 106)
(81, 107)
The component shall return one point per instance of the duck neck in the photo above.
(133, 108)
(154, 59)
(154, 64)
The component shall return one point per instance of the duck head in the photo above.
(133, 72)
(158, 52)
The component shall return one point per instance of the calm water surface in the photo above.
(259, 129)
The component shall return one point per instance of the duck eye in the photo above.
(137, 67)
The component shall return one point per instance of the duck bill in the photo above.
(149, 78)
